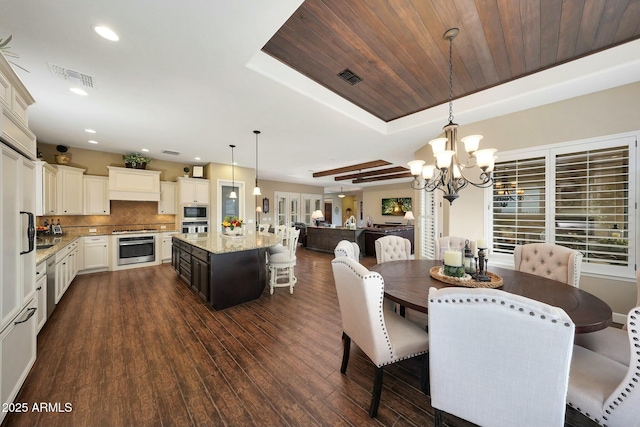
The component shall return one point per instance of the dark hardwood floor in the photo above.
(139, 348)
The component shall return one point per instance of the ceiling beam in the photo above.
(383, 177)
(352, 168)
(371, 173)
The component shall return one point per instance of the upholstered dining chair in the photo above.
(382, 335)
(281, 265)
(348, 249)
(263, 228)
(610, 342)
(453, 243)
(392, 248)
(604, 390)
(550, 261)
(498, 359)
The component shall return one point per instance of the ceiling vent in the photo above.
(348, 76)
(71, 75)
(173, 153)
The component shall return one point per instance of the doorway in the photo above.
(328, 207)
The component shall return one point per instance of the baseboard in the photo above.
(619, 318)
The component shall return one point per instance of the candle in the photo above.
(453, 258)
(482, 243)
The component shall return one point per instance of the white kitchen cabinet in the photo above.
(96, 195)
(69, 182)
(167, 204)
(66, 268)
(167, 245)
(193, 190)
(45, 188)
(17, 353)
(41, 295)
(95, 253)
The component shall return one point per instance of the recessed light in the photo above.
(91, 141)
(78, 91)
(197, 158)
(106, 32)
(146, 150)
(90, 131)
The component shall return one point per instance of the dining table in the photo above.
(407, 283)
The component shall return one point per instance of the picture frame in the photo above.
(265, 205)
(397, 206)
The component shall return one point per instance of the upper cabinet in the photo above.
(14, 120)
(133, 184)
(96, 195)
(167, 203)
(45, 188)
(69, 181)
(193, 190)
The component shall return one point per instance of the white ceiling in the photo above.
(189, 76)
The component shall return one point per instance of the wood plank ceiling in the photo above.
(397, 49)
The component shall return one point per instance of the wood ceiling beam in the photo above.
(371, 173)
(352, 168)
(383, 177)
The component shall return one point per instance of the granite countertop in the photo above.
(218, 243)
(60, 241)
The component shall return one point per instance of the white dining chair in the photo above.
(610, 342)
(392, 248)
(498, 359)
(604, 390)
(348, 249)
(382, 335)
(551, 261)
(282, 264)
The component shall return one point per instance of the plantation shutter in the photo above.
(592, 204)
(518, 203)
(428, 225)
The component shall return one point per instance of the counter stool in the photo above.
(282, 264)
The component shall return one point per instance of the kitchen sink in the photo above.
(43, 246)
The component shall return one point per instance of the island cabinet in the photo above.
(326, 238)
(222, 270)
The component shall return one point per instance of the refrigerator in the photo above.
(18, 302)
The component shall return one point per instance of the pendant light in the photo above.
(341, 195)
(233, 194)
(256, 189)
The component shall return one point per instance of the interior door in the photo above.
(287, 208)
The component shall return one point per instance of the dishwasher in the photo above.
(51, 285)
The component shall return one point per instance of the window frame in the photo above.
(549, 152)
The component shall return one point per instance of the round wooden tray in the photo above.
(496, 281)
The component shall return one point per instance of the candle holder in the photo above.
(468, 259)
(481, 267)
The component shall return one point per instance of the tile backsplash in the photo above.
(124, 214)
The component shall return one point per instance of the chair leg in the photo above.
(346, 344)
(424, 374)
(437, 422)
(377, 391)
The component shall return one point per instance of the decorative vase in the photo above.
(233, 231)
(63, 159)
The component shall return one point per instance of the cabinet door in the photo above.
(96, 195)
(96, 255)
(167, 203)
(202, 191)
(200, 278)
(187, 192)
(175, 257)
(69, 191)
(49, 191)
(41, 298)
(166, 248)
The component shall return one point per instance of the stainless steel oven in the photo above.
(136, 249)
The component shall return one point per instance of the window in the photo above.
(427, 220)
(580, 195)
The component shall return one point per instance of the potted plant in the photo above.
(186, 172)
(135, 160)
(62, 158)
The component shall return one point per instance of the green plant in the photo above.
(134, 159)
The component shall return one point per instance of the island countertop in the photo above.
(218, 243)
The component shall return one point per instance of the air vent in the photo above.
(348, 76)
(71, 75)
(173, 153)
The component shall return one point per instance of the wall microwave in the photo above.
(195, 212)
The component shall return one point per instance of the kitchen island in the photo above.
(223, 270)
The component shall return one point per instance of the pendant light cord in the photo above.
(451, 79)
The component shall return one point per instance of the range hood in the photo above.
(134, 184)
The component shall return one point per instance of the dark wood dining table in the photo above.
(407, 283)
